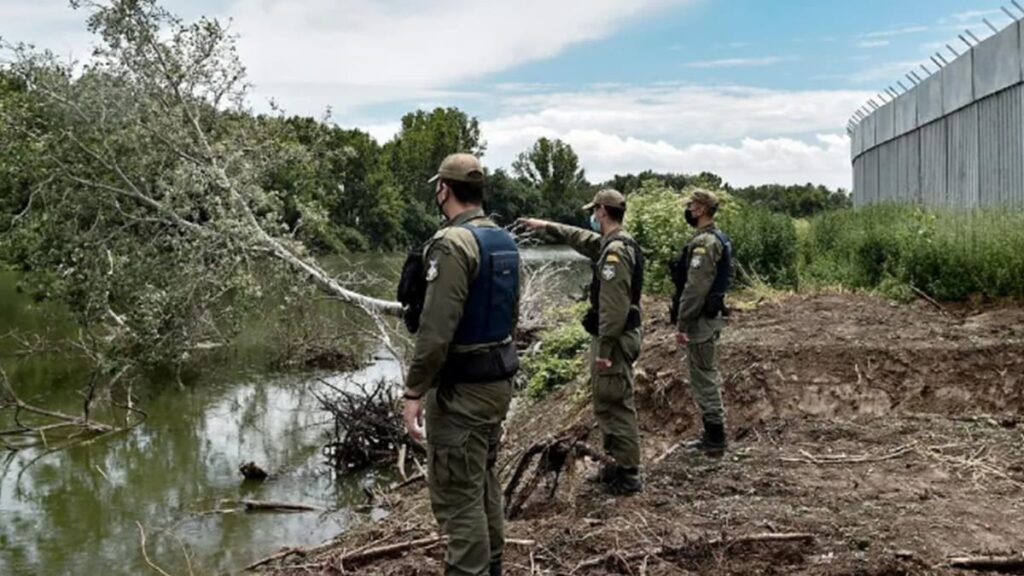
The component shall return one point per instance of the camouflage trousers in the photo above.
(614, 408)
(704, 379)
(463, 432)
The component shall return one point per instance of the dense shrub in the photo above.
(950, 255)
(765, 243)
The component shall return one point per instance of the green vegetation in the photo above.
(765, 243)
(893, 248)
(798, 201)
(558, 360)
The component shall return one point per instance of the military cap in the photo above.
(607, 197)
(460, 167)
(705, 197)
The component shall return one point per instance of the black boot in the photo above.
(626, 483)
(494, 569)
(714, 444)
(606, 474)
(711, 442)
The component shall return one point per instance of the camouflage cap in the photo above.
(705, 197)
(460, 167)
(607, 197)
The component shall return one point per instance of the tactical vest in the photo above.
(636, 286)
(489, 312)
(680, 271)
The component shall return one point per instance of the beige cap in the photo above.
(607, 197)
(460, 167)
(705, 197)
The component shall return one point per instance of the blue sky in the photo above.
(756, 90)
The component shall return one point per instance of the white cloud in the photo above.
(397, 44)
(895, 32)
(738, 62)
(826, 160)
(49, 24)
(873, 43)
(968, 15)
(748, 135)
(682, 113)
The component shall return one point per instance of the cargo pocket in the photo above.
(448, 464)
(630, 343)
(704, 355)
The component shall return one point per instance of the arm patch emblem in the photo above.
(608, 272)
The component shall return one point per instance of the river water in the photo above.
(77, 511)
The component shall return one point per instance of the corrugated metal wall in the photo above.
(933, 163)
(955, 140)
(962, 169)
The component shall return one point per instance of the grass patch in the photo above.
(893, 248)
(559, 358)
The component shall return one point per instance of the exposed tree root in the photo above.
(554, 456)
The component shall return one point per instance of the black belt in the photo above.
(480, 366)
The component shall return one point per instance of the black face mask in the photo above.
(690, 218)
(440, 206)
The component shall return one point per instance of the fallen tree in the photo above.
(145, 194)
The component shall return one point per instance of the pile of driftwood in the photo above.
(368, 428)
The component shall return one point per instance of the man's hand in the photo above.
(532, 223)
(413, 417)
(682, 339)
(603, 363)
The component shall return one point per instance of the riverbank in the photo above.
(886, 437)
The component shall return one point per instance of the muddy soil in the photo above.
(892, 434)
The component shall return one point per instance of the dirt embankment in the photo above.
(891, 434)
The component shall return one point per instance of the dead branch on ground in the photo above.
(1014, 563)
(824, 459)
(668, 551)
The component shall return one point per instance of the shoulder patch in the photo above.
(700, 250)
(608, 272)
(612, 258)
(432, 270)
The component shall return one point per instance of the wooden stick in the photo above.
(821, 459)
(670, 550)
(1001, 563)
(924, 296)
(259, 505)
(389, 549)
(145, 556)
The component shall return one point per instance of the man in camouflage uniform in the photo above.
(614, 321)
(463, 414)
(701, 315)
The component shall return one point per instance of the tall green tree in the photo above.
(553, 169)
(508, 198)
(412, 157)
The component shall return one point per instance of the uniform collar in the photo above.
(707, 228)
(614, 235)
(466, 216)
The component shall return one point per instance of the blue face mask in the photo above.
(594, 224)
